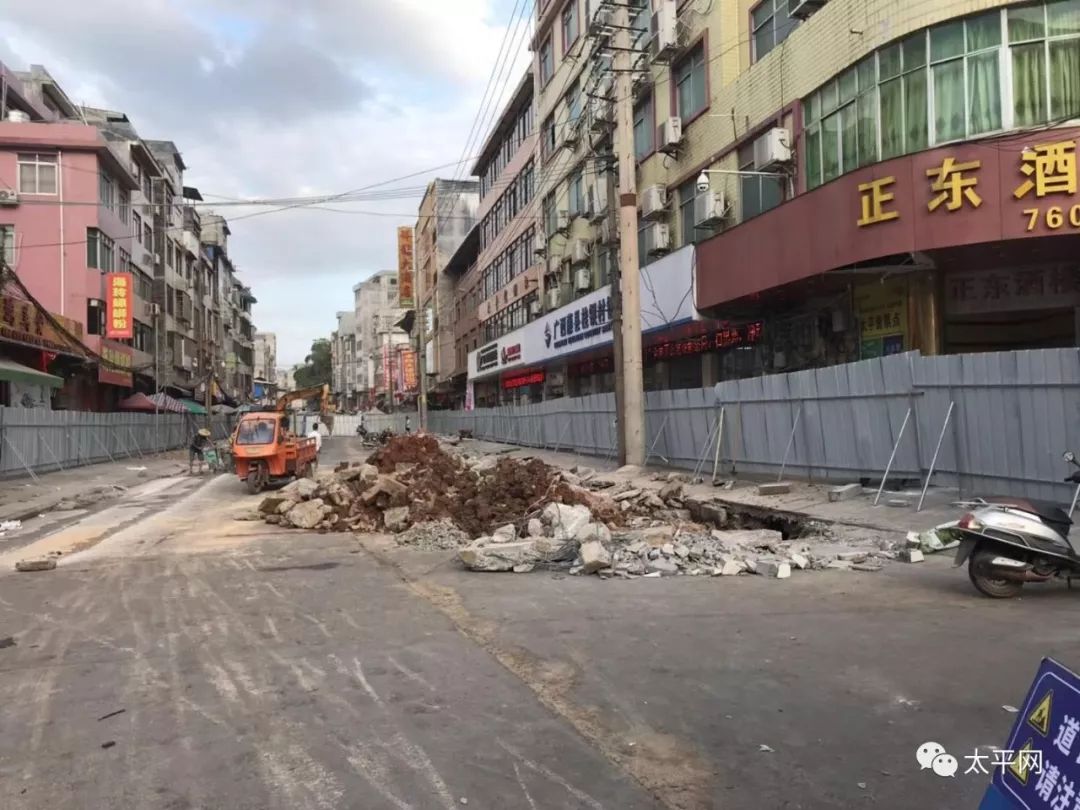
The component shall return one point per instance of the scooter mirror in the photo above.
(1069, 456)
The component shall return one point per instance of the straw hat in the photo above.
(204, 432)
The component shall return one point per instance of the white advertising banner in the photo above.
(667, 299)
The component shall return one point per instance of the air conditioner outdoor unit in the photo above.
(664, 31)
(601, 113)
(598, 196)
(554, 264)
(580, 251)
(570, 133)
(602, 20)
(583, 279)
(534, 307)
(8, 196)
(540, 245)
(562, 221)
(654, 202)
(710, 208)
(609, 233)
(553, 298)
(669, 135)
(658, 238)
(772, 149)
(802, 9)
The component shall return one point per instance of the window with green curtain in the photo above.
(916, 108)
(830, 148)
(813, 157)
(849, 138)
(848, 86)
(813, 108)
(1063, 18)
(867, 112)
(892, 119)
(1026, 23)
(914, 51)
(1065, 79)
(947, 41)
(949, 100)
(983, 31)
(889, 62)
(828, 98)
(984, 93)
(867, 72)
(1029, 84)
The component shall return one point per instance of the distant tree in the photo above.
(317, 367)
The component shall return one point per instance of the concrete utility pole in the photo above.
(616, 322)
(421, 326)
(632, 415)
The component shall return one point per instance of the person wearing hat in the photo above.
(199, 442)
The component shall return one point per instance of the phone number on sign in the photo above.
(1054, 217)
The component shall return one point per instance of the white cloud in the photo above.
(264, 101)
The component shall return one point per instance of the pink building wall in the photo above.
(50, 229)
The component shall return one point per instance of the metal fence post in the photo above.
(48, 447)
(933, 461)
(22, 459)
(719, 441)
(663, 427)
(791, 441)
(135, 441)
(892, 456)
(96, 438)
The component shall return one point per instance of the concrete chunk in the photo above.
(396, 519)
(732, 568)
(782, 488)
(773, 568)
(845, 493)
(800, 561)
(41, 564)
(661, 567)
(505, 534)
(307, 515)
(594, 557)
(911, 555)
(899, 503)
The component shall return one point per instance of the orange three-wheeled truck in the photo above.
(266, 451)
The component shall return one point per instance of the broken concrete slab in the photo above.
(396, 519)
(845, 492)
(39, 564)
(899, 503)
(593, 531)
(772, 568)
(307, 515)
(301, 488)
(706, 511)
(911, 555)
(732, 568)
(782, 488)
(384, 490)
(272, 505)
(800, 561)
(566, 520)
(594, 557)
(671, 490)
(535, 528)
(661, 566)
(853, 556)
(505, 534)
(840, 565)
(626, 495)
(867, 567)
(481, 556)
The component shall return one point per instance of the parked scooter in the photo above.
(1011, 541)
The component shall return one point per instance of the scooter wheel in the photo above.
(980, 573)
(255, 482)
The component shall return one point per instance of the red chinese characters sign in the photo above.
(21, 322)
(405, 267)
(119, 301)
(115, 365)
(725, 338)
(409, 378)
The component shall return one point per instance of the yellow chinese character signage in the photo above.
(119, 300)
(954, 185)
(1050, 168)
(875, 200)
(115, 367)
(405, 267)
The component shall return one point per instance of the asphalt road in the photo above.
(189, 660)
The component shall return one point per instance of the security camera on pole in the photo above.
(631, 422)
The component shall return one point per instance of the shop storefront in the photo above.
(29, 341)
(969, 247)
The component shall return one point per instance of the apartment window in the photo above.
(577, 193)
(757, 194)
(37, 174)
(124, 198)
(148, 237)
(95, 316)
(570, 25)
(547, 144)
(691, 96)
(106, 191)
(687, 195)
(551, 221)
(644, 128)
(547, 62)
(950, 82)
(138, 228)
(572, 99)
(7, 243)
(770, 25)
(125, 261)
(148, 187)
(99, 250)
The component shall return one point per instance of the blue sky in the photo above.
(267, 102)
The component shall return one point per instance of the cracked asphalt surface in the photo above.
(191, 660)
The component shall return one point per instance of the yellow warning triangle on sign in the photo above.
(1021, 764)
(1039, 719)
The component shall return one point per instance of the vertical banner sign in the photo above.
(405, 267)
(119, 318)
(409, 379)
(470, 396)
(399, 372)
(386, 366)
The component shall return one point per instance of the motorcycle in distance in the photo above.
(1009, 541)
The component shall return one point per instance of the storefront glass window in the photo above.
(948, 83)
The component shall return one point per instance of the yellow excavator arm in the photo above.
(326, 407)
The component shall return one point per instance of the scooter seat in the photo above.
(1047, 510)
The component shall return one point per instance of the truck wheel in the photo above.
(979, 571)
(255, 482)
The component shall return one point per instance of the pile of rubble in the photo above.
(414, 483)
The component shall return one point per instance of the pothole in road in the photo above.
(791, 526)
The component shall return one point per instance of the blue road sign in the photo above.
(1043, 747)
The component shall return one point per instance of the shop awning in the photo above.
(138, 402)
(10, 371)
(167, 403)
(193, 406)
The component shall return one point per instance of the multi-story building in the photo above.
(49, 158)
(235, 352)
(463, 269)
(265, 356)
(817, 182)
(379, 338)
(344, 360)
(447, 214)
